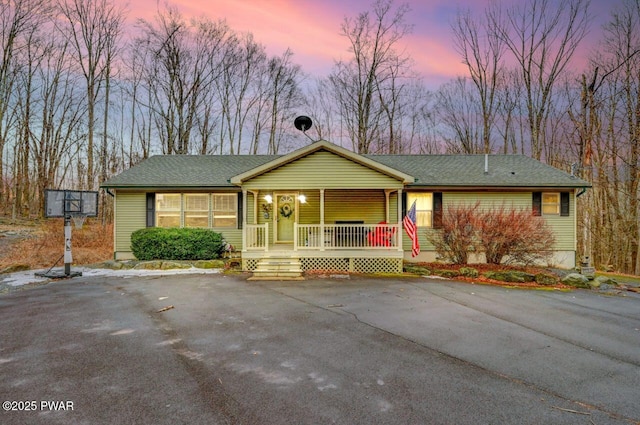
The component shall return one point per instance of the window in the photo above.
(196, 210)
(168, 209)
(424, 208)
(225, 207)
(550, 203)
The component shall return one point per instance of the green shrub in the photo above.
(468, 272)
(450, 274)
(510, 276)
(157, 243)
(546, 279)
(415, 269)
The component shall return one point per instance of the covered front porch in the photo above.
(328, 207)
(315, 228)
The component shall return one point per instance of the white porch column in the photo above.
(244, 220)
(387, 192)
(322, 219)
(255, 206)
(400, 229)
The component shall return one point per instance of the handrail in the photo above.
(346, 236)
(256, 237)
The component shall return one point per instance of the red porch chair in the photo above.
(382, 235)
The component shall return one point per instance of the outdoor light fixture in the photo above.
(266, 208)
(302, 199)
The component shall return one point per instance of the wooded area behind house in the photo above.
(84, 95)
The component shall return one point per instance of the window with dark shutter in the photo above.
(404, 204)
(564, 204)
(437, 210)
(537, 203)
(240, 214)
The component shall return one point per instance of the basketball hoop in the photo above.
(78, 220)
(72, 205)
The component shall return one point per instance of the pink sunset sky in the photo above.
(311, 28)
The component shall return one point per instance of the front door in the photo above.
(285, 216)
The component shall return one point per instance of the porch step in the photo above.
(278, 268)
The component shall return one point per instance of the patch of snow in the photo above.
(28, 277)
(22, 278)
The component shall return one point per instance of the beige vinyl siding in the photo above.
(563, 227)
(130, 215)
(354, 205)
(365, 205)
(488, 199)
(393, 207)
(232, 236)
(309, 212)
(322, 169)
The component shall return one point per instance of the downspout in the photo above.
(584, 189)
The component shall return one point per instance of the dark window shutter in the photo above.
(437, 210)
(151, 209)
(240, 213)
(404, 204)
(564, 204)
(537, 203)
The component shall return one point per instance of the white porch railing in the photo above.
(256, 237)
(345, 236)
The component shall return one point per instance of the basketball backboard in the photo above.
(61, 203)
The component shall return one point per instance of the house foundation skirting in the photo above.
(335, 262)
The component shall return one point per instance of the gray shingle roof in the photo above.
(468, 170)
(186, 171)
(206, 171)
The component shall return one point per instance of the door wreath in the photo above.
(286, 210)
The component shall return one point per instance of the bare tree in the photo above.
(93, 27)
(542, 36)
(509, 121)
(460, 117)
(57, 132)
(18, 19)
(373, 42)
(321, 108)
(239, 95)
(179, 70)
(481, 50)
(605, 112)
(283, 94)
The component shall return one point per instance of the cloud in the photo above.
(311, 29)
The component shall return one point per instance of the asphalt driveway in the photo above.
(216, 349)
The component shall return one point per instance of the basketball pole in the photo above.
(68, 258)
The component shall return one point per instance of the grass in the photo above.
(621, 278)
(44, 244)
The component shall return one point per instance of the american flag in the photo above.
(409, 222)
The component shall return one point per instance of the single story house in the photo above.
(323, 207)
